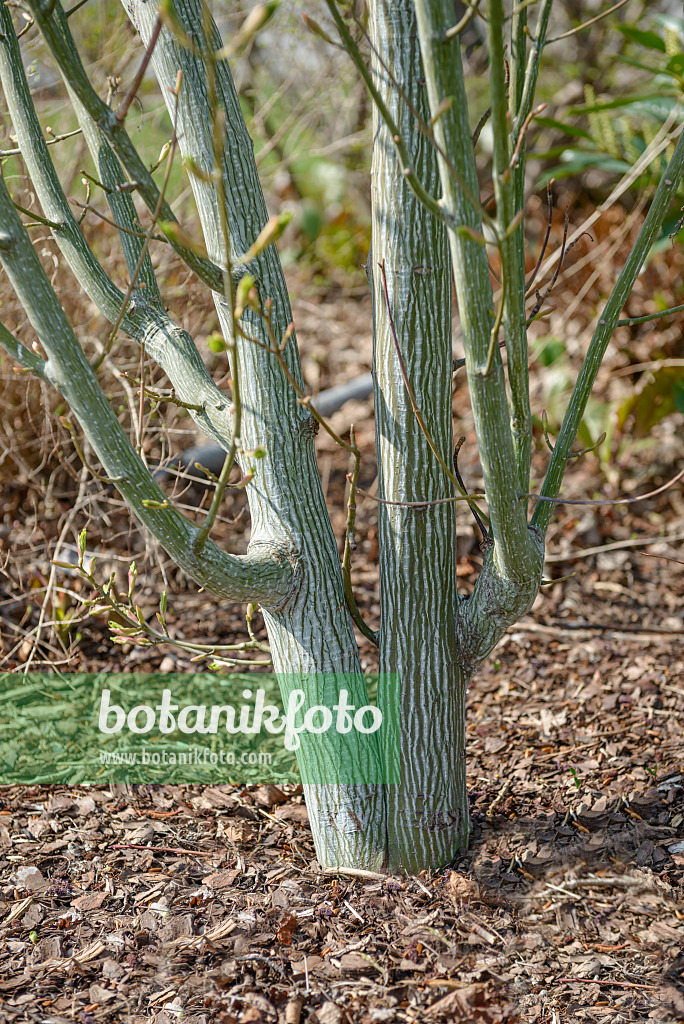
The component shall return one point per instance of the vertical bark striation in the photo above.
(427, 814)
(311, 636)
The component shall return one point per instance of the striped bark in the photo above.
(428, 810)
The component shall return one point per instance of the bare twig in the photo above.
(586, 24)
(609, 501)
(549, 223)
(419, 504)
(350, 544)
(456, 29)
(147, 57)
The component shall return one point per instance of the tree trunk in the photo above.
(428, 811)
(311, 634)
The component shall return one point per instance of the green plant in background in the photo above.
(615, 131)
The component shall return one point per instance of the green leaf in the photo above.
(551, 352)
(652, 105)
(659, 393)
(562, 126)
(675, 65)
(81, 545)
(650, 39)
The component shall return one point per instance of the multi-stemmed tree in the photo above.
(430, 230)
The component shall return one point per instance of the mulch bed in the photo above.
(207, 904)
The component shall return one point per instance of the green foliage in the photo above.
(618, 123)
(659, 394)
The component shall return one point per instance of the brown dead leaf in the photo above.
(91, 901)
(220, 879)
(286, 929)
(461, 887)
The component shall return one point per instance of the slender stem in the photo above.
(119, 227)
(218, 137)
(142, 257)
(519, 37)
(350, 544)
(48, 142)
(238, 578)
(27, 359)
(460, 26)
(140, 74)
(496, 326)
(412, 179)
(608, 501)
(607, 323)
(509, 192)
(513, 544)
(37, 218)
(587, 24)
(420, 504)
(276, 350)
(533, 63)
(172, 348)
(549, 224)
(52, 21)
(650, 316)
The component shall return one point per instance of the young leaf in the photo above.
(644, 38)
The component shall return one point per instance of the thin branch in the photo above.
(75, 7)
(586, 24)
(666, 558)
(48, 142)
(28, 360)
(541, 296)
(350, 545)
(549, 224)
(412, 180)
(523, 131)
(511, 311)
(616, 545)
(496, 327)
(670, 131)
(604, 331)
(173, 348)
(136, 271)
(481, 525)
(475, 138)
(137, 81)
(119, 227)
(53, 24)
(459, 27)
(650, 316)
(609, 501)
(533, 63)
(427, 130)
(239, 578)
(419, 504)
(37, 218)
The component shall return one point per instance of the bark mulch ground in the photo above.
(207, 904)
